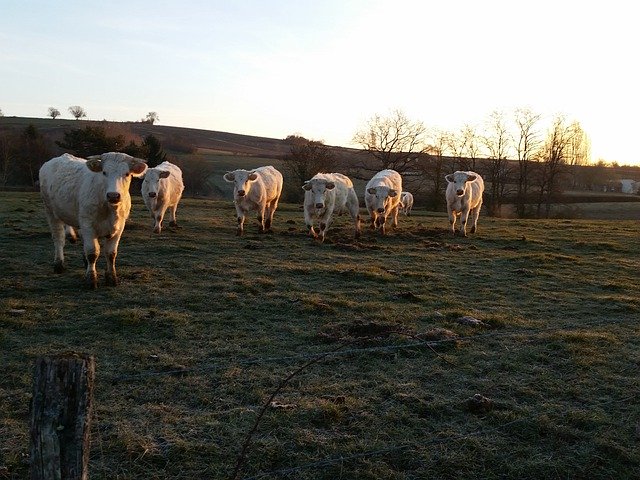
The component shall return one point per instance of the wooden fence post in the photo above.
(61, 417)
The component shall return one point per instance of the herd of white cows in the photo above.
(93, 195)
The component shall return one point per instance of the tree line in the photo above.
(522, 161)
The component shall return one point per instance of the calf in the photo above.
(257, 189)
(161, 190)
(464, 198)
(406, 199)
(327, 194)
(92, 195)
(382, 198)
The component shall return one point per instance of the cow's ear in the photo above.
(138, 168)
(330, 186)
(252, 176)
(393, 193)
(165, 173)
(94, 163)
(306, 186)
(229, 176)
(471, 178)
(449, 178)
(371, 191)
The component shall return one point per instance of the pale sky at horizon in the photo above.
(323, 68)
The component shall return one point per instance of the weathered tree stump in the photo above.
(61, 417)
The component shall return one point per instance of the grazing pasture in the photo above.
(513, 353)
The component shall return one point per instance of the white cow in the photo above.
(161, 190)
(92, 195)
(327, 194)
(406, 199)
(464, 197)
(258, 189)
(382, 198)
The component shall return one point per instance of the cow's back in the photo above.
(477, 189)
(388, 178)
(61, 184)
(271, 180)
(343, 185)
(173, 183)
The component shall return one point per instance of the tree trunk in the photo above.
(61, 417)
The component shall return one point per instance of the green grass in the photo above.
(205, 326)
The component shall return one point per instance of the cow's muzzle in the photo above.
(152, 194)
(319, 205)
(381, 210)
(241, 193)
(113, 197)
(460, 192)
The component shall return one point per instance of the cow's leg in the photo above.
(110, 253)
(262, 210)
(395, 217)
(452, 219)
(270, 213)
(71, 234)
(240, 214)
(58, 236)
(308, 220)
(382, 219)
(474, 218)
(173, 222)
(354, 211)
(463, 221)
(91, 253)
(159, 218)
(325, 221)
(373, 218)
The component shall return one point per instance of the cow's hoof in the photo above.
(92, 282)
(239, 233)
(111, 280)
(58, 267)
(473, 230)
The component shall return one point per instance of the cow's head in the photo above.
(117, 169)
(382, 197)
(152, 181)
(459, 180)
(242, 180)
(317, 189)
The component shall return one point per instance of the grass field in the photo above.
(206, 326)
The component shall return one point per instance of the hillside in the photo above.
(206, 141)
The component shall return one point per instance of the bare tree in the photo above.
(392, 141)
(556, 155)
(527, 145)
(53, 112)
(152, 117)
(434, 164)
(1, 114)
(464, 147)
(77, 111)
(497, 143)
(579, 147)
(471, 141)
(7, 157)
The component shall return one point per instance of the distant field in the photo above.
(205, 326)
(600, 211)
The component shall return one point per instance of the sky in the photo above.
(323, 68)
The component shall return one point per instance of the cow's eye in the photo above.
(104, 173)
